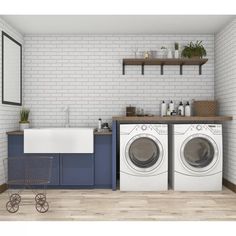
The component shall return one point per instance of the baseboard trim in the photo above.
(229, 185)
(3, 188)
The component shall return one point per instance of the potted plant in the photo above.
(194, 50)
(24, 116)
(176, 50)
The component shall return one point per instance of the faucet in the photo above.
(66, 110)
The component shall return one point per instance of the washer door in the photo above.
(199, 153)
(144, 153)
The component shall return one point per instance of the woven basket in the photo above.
(205, 108)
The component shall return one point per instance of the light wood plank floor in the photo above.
(109, 205)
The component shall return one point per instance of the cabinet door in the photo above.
(15, 145)
(103, 158)
(77, 169)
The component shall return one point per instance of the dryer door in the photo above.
(144, 153)
(199, 153)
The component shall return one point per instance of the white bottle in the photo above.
(187, 109)
(163, 108)
(171, 106)
(181, 109)
(99, 124)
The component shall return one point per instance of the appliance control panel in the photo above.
(215, 128)
(159, 128)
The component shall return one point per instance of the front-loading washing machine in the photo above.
(196, 151)
(143, 157)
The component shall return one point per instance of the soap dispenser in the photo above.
(181, 109)
(171, 106)
(99, 124)
(163, 108)
(187, 109)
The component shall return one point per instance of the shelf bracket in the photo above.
(200, 69)
(142, 69)
(123, 68)
(162, 69)
(181, 69)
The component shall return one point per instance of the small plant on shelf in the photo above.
(24, 118)
(194, 50)
(176, 46)
(176, 53)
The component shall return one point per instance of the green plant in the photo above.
(176, 46)
(163, 48)
(194, 50)
(24, 115)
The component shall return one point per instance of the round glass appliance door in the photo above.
(144, 152)
(199, 153)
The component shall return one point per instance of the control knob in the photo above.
(143, 127)
(199, 127)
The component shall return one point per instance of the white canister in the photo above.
(187, 109)
(163, 108)
(168, 113)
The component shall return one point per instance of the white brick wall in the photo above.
(85, 72)
(9, 115)
(225, 93)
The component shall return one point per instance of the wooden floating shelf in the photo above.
(165, 62)
(172, 119)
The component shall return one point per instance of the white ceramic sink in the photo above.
(59, 140)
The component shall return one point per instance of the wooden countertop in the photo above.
(17, 132)
(171, 118)
(22, 133)
(103, 133)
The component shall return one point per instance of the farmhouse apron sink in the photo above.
(59, 140)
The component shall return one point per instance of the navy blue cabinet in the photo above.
(103, 158)
(77, 169)
(92, 170)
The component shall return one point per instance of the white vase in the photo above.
(163, 53)
(169, 55)
(24, 126)
(176, 53)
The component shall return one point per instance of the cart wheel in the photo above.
(15, 198)
(40, 198)
(12, 207)
(42, 207)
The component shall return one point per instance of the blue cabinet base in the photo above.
(73, 171)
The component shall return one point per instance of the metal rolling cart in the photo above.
(30, 172)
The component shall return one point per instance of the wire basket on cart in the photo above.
(29, 172)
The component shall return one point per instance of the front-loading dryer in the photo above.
(143, 157)
(196, 163)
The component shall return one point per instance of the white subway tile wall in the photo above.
(84, 72)
(225, 93)
(9, 115)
